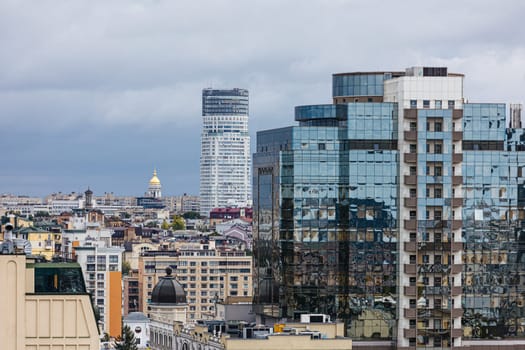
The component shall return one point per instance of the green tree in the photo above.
(178, 223)
(191, 215)
(165, 225)
(127, 341)
(126, 267)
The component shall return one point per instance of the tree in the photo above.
(127, 341)
(178, 223)
(126, 267)
(165, 225)
(191, 215)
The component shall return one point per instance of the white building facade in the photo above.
(225, 173)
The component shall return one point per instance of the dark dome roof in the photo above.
(168, 291)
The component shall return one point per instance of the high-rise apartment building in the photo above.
(399, 209)
(225, 172)
(102, 269)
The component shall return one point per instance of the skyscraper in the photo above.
(399, 209)
(225, 172)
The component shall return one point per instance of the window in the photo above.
(451, 104)
(437, 126)
(113, 259)
(426, 259)
(413, 193)
(437, 148)
(412, 324)
(412, 259)
(437, 171)
(413, 103)
(412, 215)
(437, 281)
(413, 170)
(413, 148)
(437, 193)
(438, 104)
(413, 126)
(413, 236)
(437, 304)
(412, 303)
(426, 103)
(322, 146)
(412, 281)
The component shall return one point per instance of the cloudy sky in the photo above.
(98, 93)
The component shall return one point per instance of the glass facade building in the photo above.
(225, 162)
(398, 211)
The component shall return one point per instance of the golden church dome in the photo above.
(154, 180)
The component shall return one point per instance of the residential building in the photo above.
(218, 215)
(45, 306)
(398, 209)
(207, 273)
(225, 173)
(102, 269)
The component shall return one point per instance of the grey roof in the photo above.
(168, 291)
(136, 317)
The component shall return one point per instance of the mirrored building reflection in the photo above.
(397, 209)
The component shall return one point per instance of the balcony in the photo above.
(456, 202)
(457, 180)
(457, 158)
(456, 246)
(410, 157)
(410, 291)
(410, 224)
(456, 113)
(457, 224)
(411, 113)
(409, 333)
(456, 291)
(411, 313)
(410, 268)
(410, 135)
(410, 180)
(456, 313)
(410, 246)
(410, 202)
(456, 268)
(457, 135)
(456, 332)
(436, 290)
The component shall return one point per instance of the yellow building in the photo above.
(42, 242)
(45, 306)
(207, 275)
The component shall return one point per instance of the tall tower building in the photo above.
(225, 150)
(399, 209)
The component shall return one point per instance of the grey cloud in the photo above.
(96, 68)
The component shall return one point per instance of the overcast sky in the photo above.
(98, 93)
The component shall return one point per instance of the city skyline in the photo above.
(97, 94)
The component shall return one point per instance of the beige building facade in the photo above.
(43, 310)
(207, 276)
